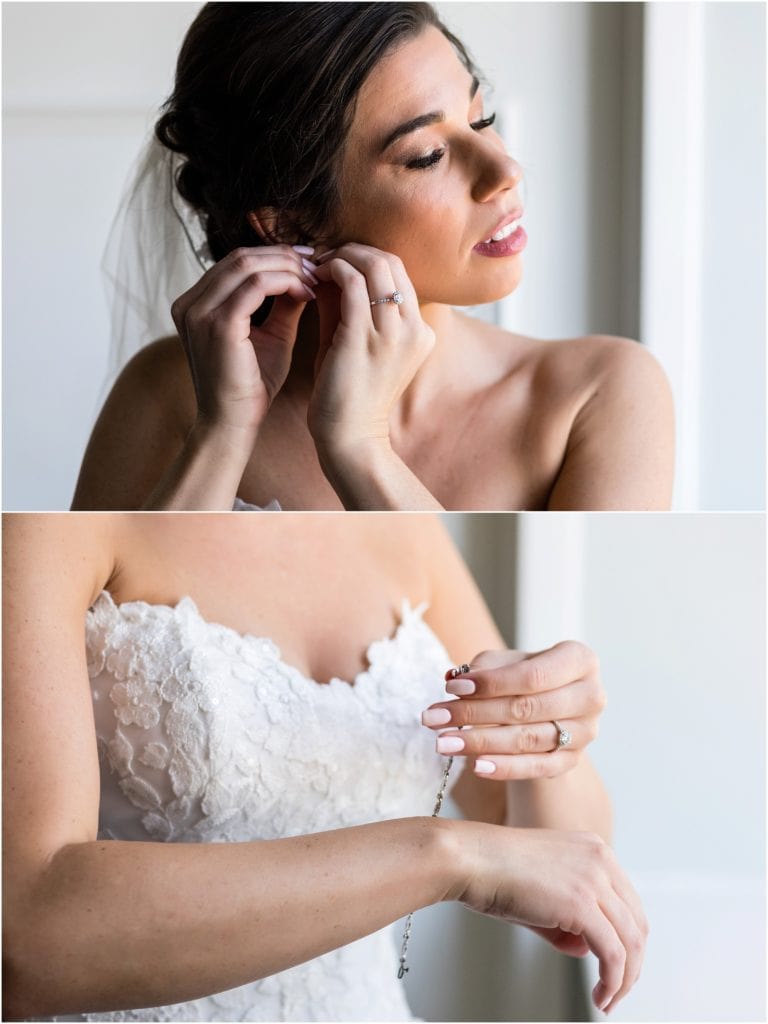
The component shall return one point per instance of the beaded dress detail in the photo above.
(207, 735)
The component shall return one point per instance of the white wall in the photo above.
(81, 82)
(703, 240)
(675, 607)
(732, 401)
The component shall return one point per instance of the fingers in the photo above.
(354, 302)
(219, 282)
(383, 273)
(614, 926)
(567, 702)
(564, 942)
(254, 289)
(508, 767)
(633, 942)
(537, 738)
(495, 673)
(626, 891)
(602, 938)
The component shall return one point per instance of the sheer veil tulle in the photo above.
(156, 249)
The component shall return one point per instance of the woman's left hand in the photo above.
(368, 354)
(511, 700)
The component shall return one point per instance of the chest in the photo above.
(322, 587)
(501, 451)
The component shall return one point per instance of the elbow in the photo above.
(22, 985)
(31, 982)
(35, 955)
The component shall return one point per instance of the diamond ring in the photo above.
(563, 736)
(395, 297)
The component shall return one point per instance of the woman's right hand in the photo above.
(238, 369)
(567, 887)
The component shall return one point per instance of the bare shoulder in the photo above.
(591, 363)
(160, 367)
(141, 427)
(609, 354)
(48, 553)
(620, 448)
(597, 412)
(613, 379)
(579, 365)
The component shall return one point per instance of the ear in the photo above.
(264, 222)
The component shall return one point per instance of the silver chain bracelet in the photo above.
(403, 969)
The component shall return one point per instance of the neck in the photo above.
(432, 380)
(302, 372)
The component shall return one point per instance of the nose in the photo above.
(495, 171)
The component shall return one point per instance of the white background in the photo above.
(640, 129)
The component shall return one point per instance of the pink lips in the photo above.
(516, 242)
(512, 215)
(509, 246)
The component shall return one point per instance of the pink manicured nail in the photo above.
(325, 255)
(303, 250)
(436, 716)
(485, 767)
(460, 687)
(600, 996)
(306, 286)
(449, 744)
(308, 273)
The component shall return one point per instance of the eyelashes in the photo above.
(484, 122)
(426, 161)
(422, 162)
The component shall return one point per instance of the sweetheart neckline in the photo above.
(408, 615)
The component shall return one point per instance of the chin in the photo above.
(476, 289)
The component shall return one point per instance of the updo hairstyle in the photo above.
(264, 97)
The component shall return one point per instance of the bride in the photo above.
(349, 190)
(217, 803)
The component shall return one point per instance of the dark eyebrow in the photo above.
(435, 117)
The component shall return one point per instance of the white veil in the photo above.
(156, 249)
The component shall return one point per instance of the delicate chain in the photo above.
(403, 970)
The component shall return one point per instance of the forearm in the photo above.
(576, 801)
(374, 478)
(117, 925)
(205, 475)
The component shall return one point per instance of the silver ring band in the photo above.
(564, 738)
(395, 297)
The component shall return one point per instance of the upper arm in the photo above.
(620, 450)
(457, 611)
(54, 565)
(459, 615)
(140, 430)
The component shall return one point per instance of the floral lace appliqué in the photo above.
(206, 735)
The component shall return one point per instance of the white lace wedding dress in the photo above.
(206, 735)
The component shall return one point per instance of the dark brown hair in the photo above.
(263, 99)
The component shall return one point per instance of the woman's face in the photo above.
(433, 192)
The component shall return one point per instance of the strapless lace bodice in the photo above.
(207, 735)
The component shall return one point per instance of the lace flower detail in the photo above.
(136, 700)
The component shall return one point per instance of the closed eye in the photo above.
(422, 162)
(484, 122)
